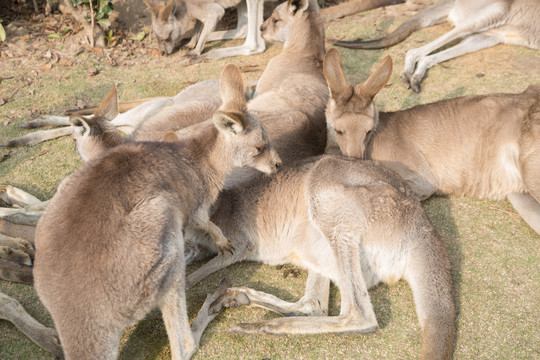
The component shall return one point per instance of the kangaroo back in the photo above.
(110, 245)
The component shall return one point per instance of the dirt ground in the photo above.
(45, 68)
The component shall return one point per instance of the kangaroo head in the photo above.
(277, 26)
(94, 135)
(170, 23)
(243, 131)
(351, 114)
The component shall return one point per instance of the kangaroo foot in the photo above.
(230, 299)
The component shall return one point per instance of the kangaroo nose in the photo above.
(277, 165)
(261, 28)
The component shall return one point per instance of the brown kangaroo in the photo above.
(481, 24)
(352, 221)
(133, 203)
(486, 146)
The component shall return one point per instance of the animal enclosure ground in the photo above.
(495, 256)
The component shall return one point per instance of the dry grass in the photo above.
(495, 257)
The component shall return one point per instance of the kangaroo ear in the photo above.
(166, 11)
(170, 136)
(80, 125)
(295, 6)
(231, 89)
(340, 89)
(378, 79)
(152, 7)
(232, 122)
(108, 108)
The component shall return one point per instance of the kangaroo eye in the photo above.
(260, 149)
(274, 21)
(339, 132)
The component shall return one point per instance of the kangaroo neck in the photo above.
(209, 151)
(306, 37)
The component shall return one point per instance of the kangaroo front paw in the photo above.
(224, 246)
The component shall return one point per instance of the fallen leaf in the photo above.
(43, 152)
(2, 101)
(153, 52)
(65, 62)
(140, 35)
(45, 67)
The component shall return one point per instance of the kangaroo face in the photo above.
(276, 27)
(252, 146)
(168, 36)
(352, 127)
(351, 113)
(170, 24)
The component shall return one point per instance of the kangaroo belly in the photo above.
(492, 176)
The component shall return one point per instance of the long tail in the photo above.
(401, 33)
(353, 7)
(431, 283)
(433, 15)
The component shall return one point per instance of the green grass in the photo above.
(494, 254)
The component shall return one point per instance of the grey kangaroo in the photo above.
(133, 203)
(481, 24)
(197, 19)
(486, 146)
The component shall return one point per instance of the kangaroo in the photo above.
(352, 221)
(178, 20)
(481, 24)
(133, 202)
(191, 105)
(485, 146)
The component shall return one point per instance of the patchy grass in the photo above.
(495, 257)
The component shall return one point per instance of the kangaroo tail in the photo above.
(400, 34)
(433, 15)
(354, 6)
(428, 275)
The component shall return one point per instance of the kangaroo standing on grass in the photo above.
(110, 247)
(197, 19)
(486, 146)
(481, 24)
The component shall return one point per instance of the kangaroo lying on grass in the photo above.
(193, 104)
(486, 146)
(482, 24)
(351, 221)
(133, 203)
